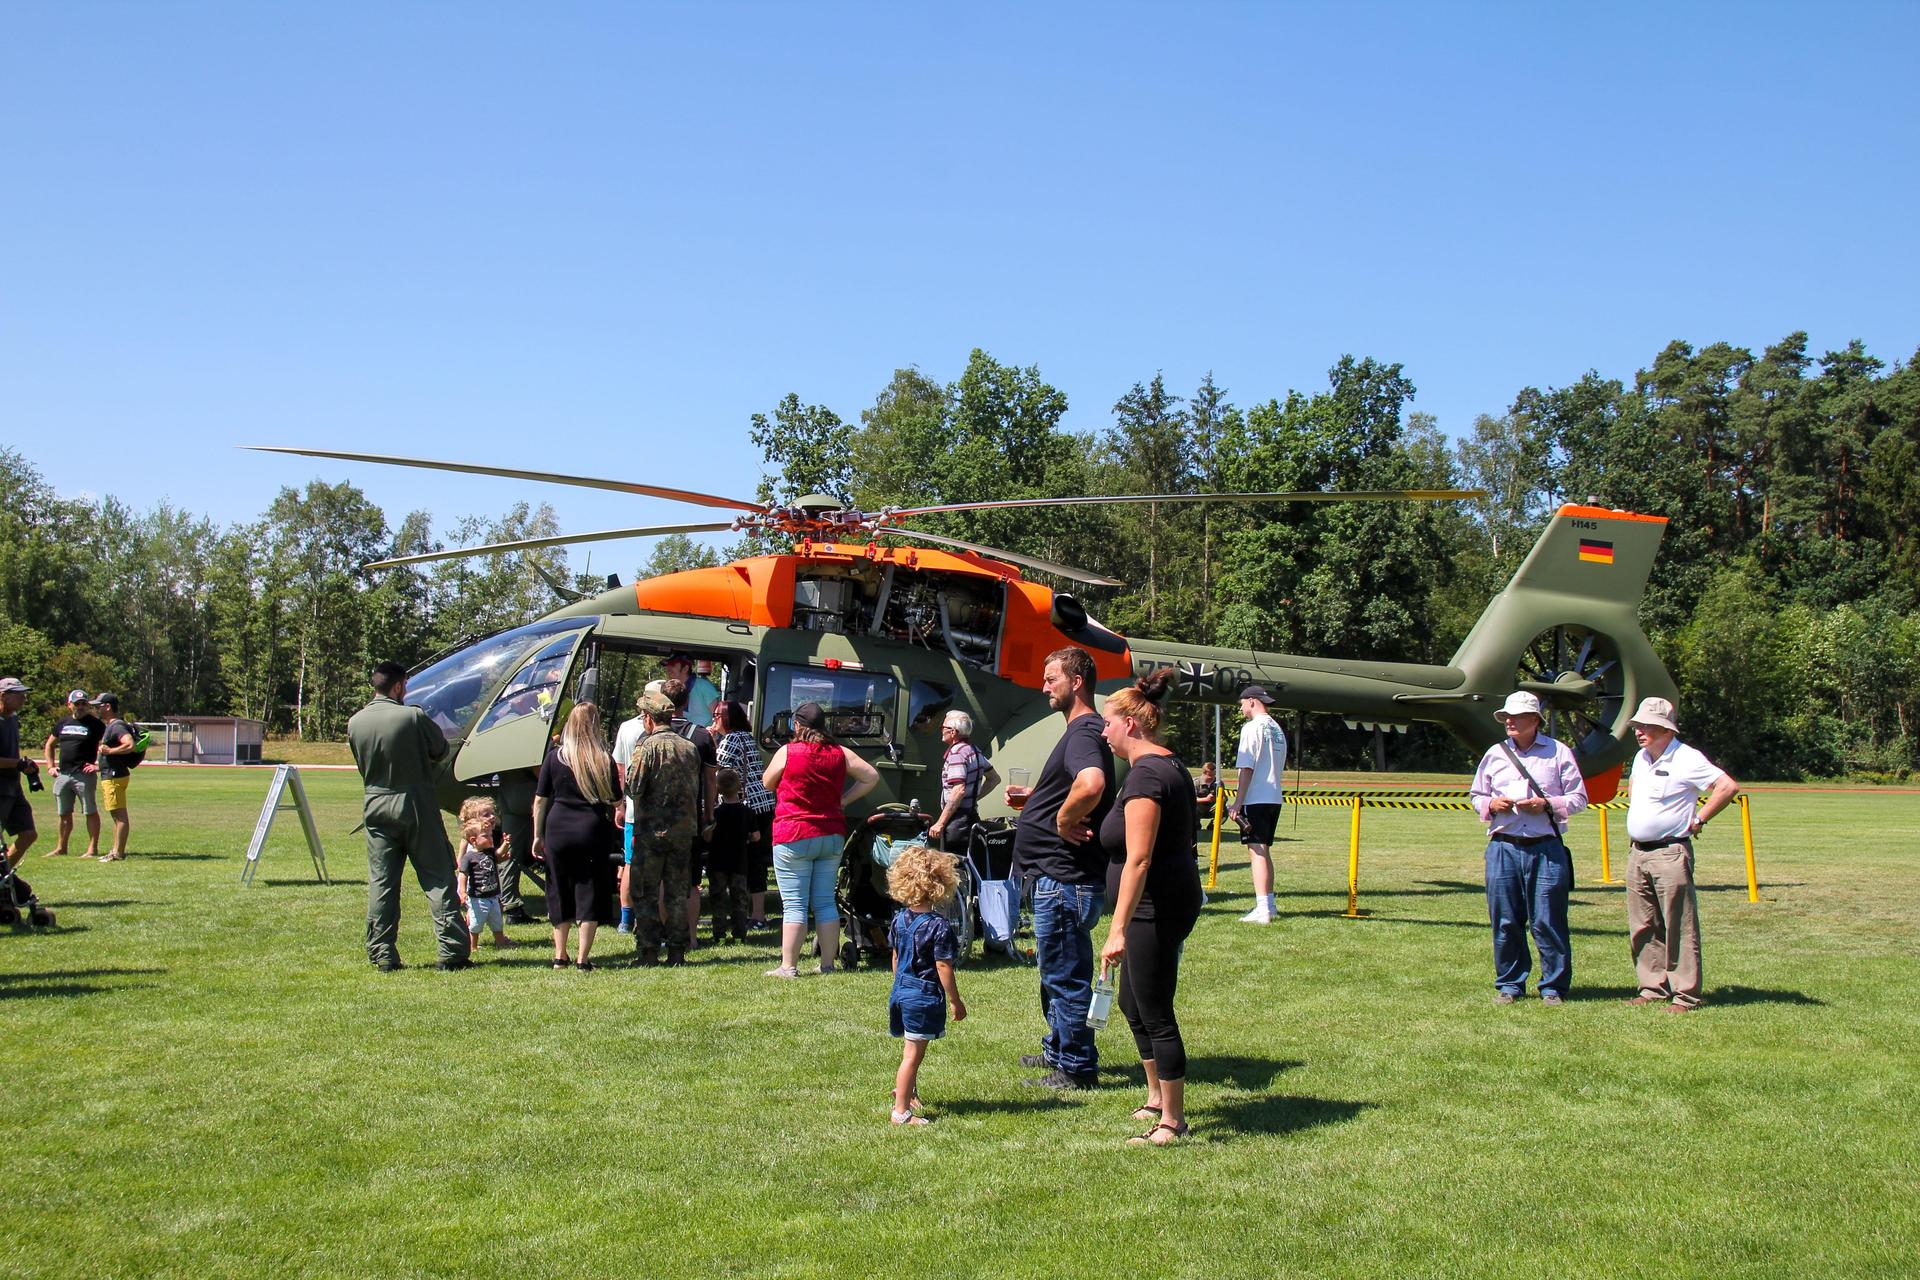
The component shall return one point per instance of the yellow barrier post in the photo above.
(1606, 855)
(1353, 865)
(1213, 865)
(1746, 833)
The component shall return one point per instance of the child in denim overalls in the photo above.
(924, 950)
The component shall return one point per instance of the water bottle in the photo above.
(1101, 1007)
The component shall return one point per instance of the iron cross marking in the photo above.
(1196, 678)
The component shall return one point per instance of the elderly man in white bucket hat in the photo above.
(1663, 912)
(1525, 789)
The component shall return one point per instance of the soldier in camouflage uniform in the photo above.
(395, 747)
(663, 804)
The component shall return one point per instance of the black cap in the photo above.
(1258, 693)
(678, 656)
(810, 715)
(107, 700)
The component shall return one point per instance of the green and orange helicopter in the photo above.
(887, 627)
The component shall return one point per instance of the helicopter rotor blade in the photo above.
(561, 539)
(514, 473)
(996, 553)
(1301, 495)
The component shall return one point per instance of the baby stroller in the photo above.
(999, 903)
(17, 900)
(866, 908)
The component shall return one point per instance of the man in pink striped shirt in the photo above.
(1525, 789)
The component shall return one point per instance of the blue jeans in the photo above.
(1527, 885)
(1063, 916)
(806, 871)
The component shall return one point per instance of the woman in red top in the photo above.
(808, 778)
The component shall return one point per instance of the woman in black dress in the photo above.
(1153, 882)
(573, 830)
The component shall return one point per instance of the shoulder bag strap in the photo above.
(1506, 745)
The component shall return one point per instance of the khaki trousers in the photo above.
(1663, 923)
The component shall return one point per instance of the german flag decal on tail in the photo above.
(1594, 551)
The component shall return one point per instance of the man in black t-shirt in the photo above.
(73, 755)
(119, 741)
(1053, 845)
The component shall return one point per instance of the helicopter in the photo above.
(887, 628)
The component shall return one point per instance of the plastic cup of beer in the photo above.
(1019, 787)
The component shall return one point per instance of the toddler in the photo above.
(733, 830)
(924, 950)
(480, 880)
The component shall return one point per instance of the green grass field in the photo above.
(206, 1079)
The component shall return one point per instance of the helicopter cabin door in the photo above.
(513, 732)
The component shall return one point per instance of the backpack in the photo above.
(141, 741)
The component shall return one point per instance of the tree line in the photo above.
(1783, 600)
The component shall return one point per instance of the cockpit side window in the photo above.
(859, 704)
(534, 688)
(453, 689)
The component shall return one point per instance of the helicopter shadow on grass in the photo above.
(68, 982)
(333, 882)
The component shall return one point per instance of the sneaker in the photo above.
(1259, 915)
(784, 971)
(1503, 997)
(1035, 1061)
(1064, 1081)
(1551, 999)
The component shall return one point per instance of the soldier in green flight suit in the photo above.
(395, 747)
(663, 804)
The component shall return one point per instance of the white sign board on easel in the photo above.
(286, 779)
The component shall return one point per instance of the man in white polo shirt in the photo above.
(1663, 912)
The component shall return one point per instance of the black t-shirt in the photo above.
(1037, 846)
(77, 740)
(115, 766)
(482, 873)
(727, 851)
(1173, 877)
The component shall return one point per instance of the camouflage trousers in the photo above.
(659, 860)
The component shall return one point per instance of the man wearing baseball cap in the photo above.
(119, 742)
(16, 815)
(1663, 912)
(702, 693)
(1262, 762)
(1525, 789)
(73, 757)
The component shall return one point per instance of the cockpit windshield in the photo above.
(452, 689)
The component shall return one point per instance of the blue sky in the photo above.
(596, 238)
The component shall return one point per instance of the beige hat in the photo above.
(1519, 704)
(1656, 711)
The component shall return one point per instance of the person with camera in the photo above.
(16, 815)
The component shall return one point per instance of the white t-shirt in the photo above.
(627, 739)
(1263, 749)
(1661, 804)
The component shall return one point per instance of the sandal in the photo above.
(1152, 1138)
(1147, 1111)
(561, 962)
(908, 1117)
(585, 966)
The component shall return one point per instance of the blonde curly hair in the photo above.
(476, 808)
(920, 879)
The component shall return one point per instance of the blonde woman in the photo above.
(573, 830)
